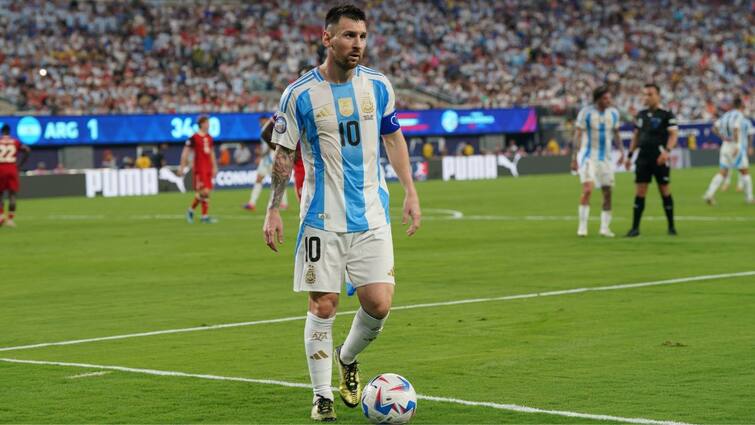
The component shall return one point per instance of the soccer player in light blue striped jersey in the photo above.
(734, 129)
(340, 111)
(597, 130)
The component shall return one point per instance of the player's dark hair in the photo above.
(6, 129)
(599, 92)
(655, 86)
(201, 119)
(737, 102)
(345, 10)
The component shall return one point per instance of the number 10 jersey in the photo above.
(340, 126)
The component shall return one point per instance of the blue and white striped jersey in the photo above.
(340, 126)
(734, 120)
(597, 132)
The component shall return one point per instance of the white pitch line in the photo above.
(499, 406)
(404, 307)
(89, 375)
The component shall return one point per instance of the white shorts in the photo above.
(598, 172)
(265, 169)
(323, 257)
(732, 156)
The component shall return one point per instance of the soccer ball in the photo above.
(389, 399)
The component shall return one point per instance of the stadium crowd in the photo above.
(70, 57)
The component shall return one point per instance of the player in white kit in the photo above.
(341, 111)
(734, 129)
(264, 166)
(597, 130)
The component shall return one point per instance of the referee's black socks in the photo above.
(639, 207)
(668, 206)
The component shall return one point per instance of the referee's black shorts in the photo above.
(647, 168)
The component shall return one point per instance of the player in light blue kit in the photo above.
(597, 130)
(734, 129)
(340, 111)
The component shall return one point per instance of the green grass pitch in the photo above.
(87, 268)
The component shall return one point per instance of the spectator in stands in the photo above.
(428, 151)
(143, 161)
(468, 149)
(242, 155)
(127, 162)
(41, 168)
(109, 160)
(158, 156)
(552, 147)
(224, 159)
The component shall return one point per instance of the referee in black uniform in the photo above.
(655, 133)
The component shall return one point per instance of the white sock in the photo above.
(364, 330)
(714, 184)
(584, 215)
(727, 179)
(605, 220)
(255, 193)
(747, 186)
(318, 346)
(740, 182)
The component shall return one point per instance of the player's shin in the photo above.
(205, 207)
(584, 216)
(255, 193)
(746, 180)
(668, 207)
(11, 207)
(639, 207)
(364, 330)
(318, 346)
(715, 183)
(605, 220)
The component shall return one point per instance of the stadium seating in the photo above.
(155, 56)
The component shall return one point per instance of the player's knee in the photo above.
(323, 306)
(378, 309)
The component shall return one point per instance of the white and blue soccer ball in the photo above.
(389, 399)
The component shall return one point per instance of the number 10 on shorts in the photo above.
(312, 249)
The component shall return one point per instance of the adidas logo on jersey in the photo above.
(323, 113)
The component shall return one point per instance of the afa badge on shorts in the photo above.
(345, 106)
(310, 276)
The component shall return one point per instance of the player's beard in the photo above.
(347, 62)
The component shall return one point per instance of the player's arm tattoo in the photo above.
(284, 163)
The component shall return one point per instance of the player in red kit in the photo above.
(9, 148)
(205, 168)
